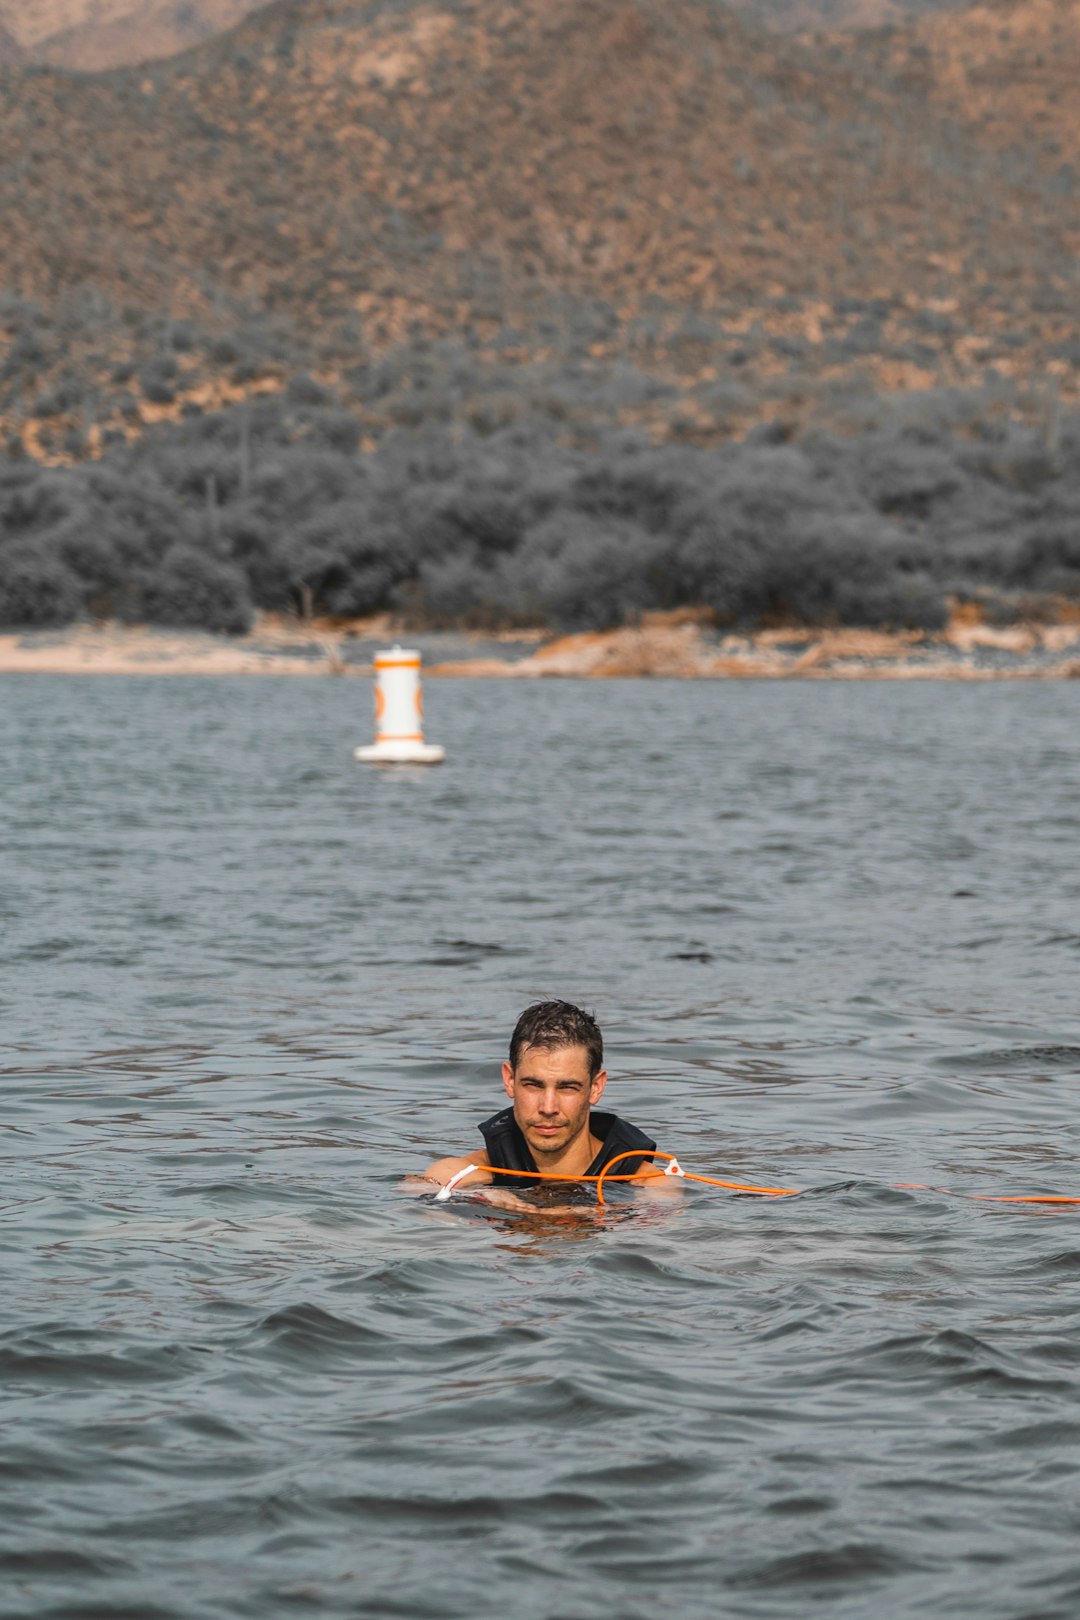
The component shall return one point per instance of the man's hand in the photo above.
(503, 1198)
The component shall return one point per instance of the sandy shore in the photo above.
(135, 650)
(673, 645)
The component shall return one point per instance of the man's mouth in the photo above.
(548, 1130)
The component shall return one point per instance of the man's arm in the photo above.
(444, 1170)
(654, 1184)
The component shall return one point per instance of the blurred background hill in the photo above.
(650, 223)
(812, 15)
(88, 35)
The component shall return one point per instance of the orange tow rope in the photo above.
(684, 1175)
(993, 1198)
(675, 1169)
(636, 1153)
(1023, 1198)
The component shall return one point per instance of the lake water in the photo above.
(832, 932)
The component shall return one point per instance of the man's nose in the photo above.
(549, 1103)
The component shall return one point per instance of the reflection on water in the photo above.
(245, 986)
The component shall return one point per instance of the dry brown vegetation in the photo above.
(746, 219)
(87, 35)
(812, 15)
(570, 220)
(10, 49)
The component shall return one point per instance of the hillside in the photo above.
(128, 31)
(397, 307)
(92, 34)
(10, 49)
(802, 16)
(739, 221)
(1007, 69)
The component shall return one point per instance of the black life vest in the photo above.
(508, 1150)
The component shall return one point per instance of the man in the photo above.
(554, 1077)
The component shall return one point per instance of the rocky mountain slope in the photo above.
(1006, 70)
(546, 311)
(10, 50)
(89, 35)
(803, 16)
(92, 34)
(738, 220)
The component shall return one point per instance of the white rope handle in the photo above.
(674, 1168)
(459, 1175)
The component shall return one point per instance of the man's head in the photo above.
(555, 1074)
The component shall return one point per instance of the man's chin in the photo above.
(546, 1144)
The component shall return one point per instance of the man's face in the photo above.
(552, 1094)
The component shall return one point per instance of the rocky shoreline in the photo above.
(681, 645)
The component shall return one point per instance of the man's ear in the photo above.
(508, 1080)
(597, 1086)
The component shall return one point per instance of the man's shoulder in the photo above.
(614, 1130)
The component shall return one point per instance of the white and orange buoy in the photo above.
(399, 713)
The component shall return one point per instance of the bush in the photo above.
(36, 591)
(33, 498)
(903, 478)
(66, 396)
(1047, 561)
(224, 351)
(520, 527)
(304, 390)
(157, 379)
(338, 430)
(193, 589)
(369, 588)
(584, 573)
(900, 602)
(248, 540)
(457, 590)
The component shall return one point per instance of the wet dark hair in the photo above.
(554, 1024)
